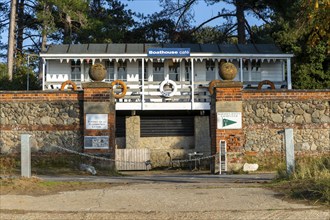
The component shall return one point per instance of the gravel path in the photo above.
(161, 200)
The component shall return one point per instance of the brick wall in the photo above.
(265, 113)
(268, 111)
(98, 99)
(298, 95)
(53, 118)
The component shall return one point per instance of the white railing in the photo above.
(152, 93)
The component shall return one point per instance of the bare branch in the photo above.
(248, 28)
(260, 16)
(231, 29)
(186, 8)
(211, 19)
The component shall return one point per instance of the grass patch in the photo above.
(266, 162)
(310, 181)
(54, 164)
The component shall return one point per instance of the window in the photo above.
(122, 70)
(255, 70)
(159, 126)
(187, 70)
(110, 71)
(210, 70)
(251, 70)
(75, 71)
(174, 71)
(145, 70)
(158, 71)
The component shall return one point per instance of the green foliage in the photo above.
(266, 162)
(311, 179)
(217, 34)
(64, 16)
(304, 32)
(21, 76)
(107, 23)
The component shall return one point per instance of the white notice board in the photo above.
(97, 121)
(229, 120)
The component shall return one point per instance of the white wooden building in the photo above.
(145, 68)
(166, 110)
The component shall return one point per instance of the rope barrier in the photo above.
(132, 162)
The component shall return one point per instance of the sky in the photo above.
(201, 10)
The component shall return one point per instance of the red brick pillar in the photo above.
(99, 118)
(226, 120)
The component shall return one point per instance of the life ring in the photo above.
(212, 84)
(69, 82)
(168, 93)
(272, 86)
(123, 89)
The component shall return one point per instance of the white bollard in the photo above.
(25, 156)
(289, 150)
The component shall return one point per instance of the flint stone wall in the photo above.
(40, 113)
(52, 119)
(310, 120)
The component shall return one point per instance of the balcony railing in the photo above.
(198, 92)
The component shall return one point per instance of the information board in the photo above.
(97, 121)
(96, 142)
(229, 120)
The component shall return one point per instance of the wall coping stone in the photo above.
(285, 90)
(228, 84)
(96, 85)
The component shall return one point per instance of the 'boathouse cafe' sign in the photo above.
(168, 52)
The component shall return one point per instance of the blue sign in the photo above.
(168, 52)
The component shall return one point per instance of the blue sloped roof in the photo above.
(143, 48)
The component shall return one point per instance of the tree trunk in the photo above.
(240, 21)
(11, 40)
(43, 41)
(67, 34)
(20, 27)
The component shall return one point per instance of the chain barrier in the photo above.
(92, 156)
(195, 159)
(133, 162)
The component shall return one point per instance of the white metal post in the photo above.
(241, 68)
(288, 72)
(25, 156)
(222, 155)
(82, 71)
(43, 73)
(289, 150)
(192, 84)
(142, 84)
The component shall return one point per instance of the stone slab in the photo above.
(96, 85)
(97, 107)
(229, 106)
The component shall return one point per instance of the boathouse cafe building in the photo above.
(168, 93)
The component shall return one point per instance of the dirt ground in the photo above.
(149, 197)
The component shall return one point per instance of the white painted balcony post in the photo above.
(192, 84)
(43, 73)
(142, 84)
(241, 68)
(288, 70)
